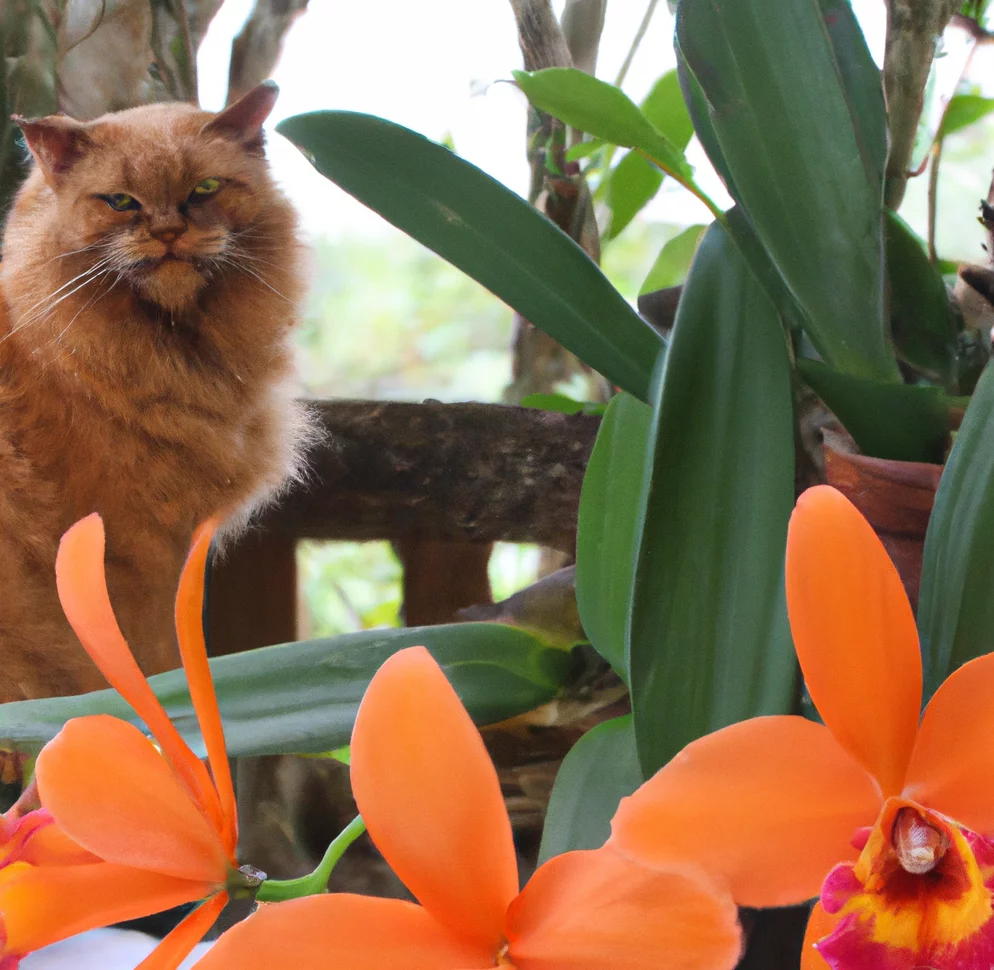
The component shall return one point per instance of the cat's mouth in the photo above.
(171, 280)
(152, 263)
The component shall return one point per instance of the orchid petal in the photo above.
(769, 805)
(344, 931)
(430, 797)
(178, 944)
(48, 845)
(854, 633)
(40, 905)
(110, 790)
(193, 650)
(82, 584)
(820, 925)
(597, 910)
(952, 766)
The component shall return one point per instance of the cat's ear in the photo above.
(243, 119)
(56, 142)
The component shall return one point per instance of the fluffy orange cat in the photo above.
(150, 279)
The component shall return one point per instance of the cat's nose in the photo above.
(167, 227)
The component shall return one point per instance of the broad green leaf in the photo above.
(602, 110)
(486, 231)
(302, 697)
(673, 262)
(761, 266)
(608, 526)
(584, 149)
(964, 110)
(629, 186)
(955, 605)
(700, 115)
(600, 769)
(708, 641)
(923, 324)
(899, 421)
(860, 78)
(635, 180)
(665, 109)
(782, 119)
(606, 112)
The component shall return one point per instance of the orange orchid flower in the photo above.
(127, 828)
(432, 803)
(883, 803)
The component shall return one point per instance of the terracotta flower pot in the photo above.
(895, 496)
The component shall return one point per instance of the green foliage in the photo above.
(602, 110)
(433, 331)
(783, 123)
(964, 110)
(303, 697)
(674, 259)
(609, 526)
(708, 639)
(487, 231)
(349, 586)
(629, 187)
(924, 325)
(635, 180)
(896, 421)
(955, 605)
(600, 770)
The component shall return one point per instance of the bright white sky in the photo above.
(432, 66)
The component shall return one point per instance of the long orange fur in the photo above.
(144, 365)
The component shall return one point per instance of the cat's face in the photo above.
(164, 199)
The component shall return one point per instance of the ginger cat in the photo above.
(150, 280)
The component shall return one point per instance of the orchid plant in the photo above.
(776, 753)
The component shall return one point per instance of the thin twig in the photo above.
(933, 193)
(179, 12)
(639, 34)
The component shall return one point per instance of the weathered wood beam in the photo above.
(479, 472)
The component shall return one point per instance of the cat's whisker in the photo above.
(78, 276)
(93, 300)
(251, 272)
(87, 277)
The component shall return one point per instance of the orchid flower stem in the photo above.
(277, 890)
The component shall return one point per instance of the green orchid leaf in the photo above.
(302, 697)
(600, 769)
(964, 110)
(860, 79)
(708, 641)
(923, 323)
(664, 107)
(899, 421)
(602, 110)
(608, 527)
(955, 606)
(674, 259)
(634, 180)
(629, 186)
(798, 163)
(485, 230)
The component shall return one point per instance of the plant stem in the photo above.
(639, 34)
(277, 890)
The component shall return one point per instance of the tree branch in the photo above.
(480, 472)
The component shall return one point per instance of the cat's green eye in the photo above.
(121, 201)
(203, 190)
